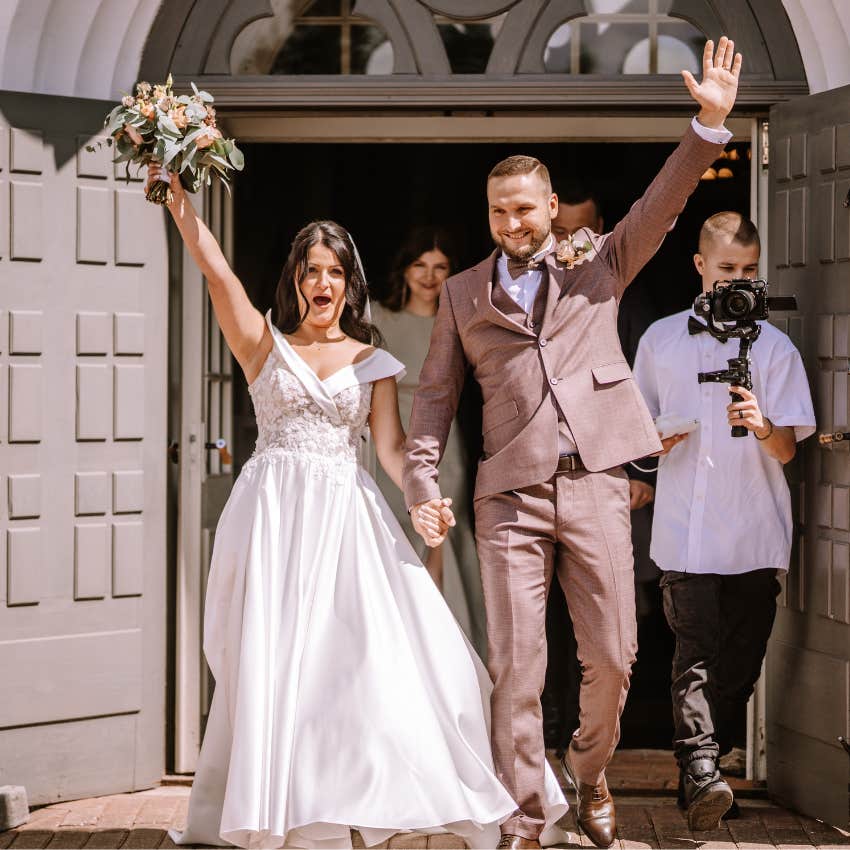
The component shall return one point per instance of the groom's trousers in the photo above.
(577, 526)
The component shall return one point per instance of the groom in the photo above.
(538, 326)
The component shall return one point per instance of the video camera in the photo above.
(732, 309)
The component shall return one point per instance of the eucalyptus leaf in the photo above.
(195, 112)
(190, 161)
(237, 158)
(190, 137)
(171, 151)
(215, 158)
(165, 124)
(115, 120)
(125, 145)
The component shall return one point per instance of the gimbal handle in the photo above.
(738, 375)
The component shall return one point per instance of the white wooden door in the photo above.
(83, 284)
(808, 665)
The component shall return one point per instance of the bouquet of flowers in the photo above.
(178, 132)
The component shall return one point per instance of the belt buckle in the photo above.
(568, 463)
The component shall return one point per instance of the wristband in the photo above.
(762, 439)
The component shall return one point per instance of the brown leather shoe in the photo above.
(516, 842)
(596, 815)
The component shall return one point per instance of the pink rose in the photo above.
(207, 137)
(178, 116)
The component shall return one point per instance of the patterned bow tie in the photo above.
(695, 326)
(520, 267)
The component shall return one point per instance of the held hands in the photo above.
(716, 93)
(640, 494)
(747, 412)
(668, 443)
(432, 520)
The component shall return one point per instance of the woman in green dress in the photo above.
(405, 318)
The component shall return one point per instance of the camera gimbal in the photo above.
(731, 310)
(738, 374)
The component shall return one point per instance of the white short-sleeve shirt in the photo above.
(722, 504)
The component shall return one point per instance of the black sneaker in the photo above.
(706, 794)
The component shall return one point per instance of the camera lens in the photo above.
(738, 304)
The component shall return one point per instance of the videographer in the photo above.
(722, 525)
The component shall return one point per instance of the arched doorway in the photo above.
(48, 49)
(435, 72)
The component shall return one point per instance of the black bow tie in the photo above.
(695, 326)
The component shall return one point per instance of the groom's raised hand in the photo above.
(719, 86)
(432, 520)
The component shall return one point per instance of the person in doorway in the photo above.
(579, 208)
(405, 319)
(722, 527)
(537, 323)
(346, 694)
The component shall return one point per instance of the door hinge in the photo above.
(765, 144)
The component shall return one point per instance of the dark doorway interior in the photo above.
(378, 191)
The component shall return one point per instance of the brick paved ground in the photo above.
(644, 782)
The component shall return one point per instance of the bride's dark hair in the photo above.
(291, 304)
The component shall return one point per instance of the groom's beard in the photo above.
(538, 240)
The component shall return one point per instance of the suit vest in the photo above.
(508, 307)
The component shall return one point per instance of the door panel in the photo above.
(82, 468)
(808, 701)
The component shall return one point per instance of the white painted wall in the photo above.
(822, 28)
(82, 48)
(92, 48)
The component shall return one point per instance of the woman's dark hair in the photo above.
(419, 241)
(291, 305)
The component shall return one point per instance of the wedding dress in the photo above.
(346, 694)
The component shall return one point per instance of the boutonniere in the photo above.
(572, 253)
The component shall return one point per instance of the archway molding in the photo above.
(194, 38)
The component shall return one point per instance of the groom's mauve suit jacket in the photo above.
(575, 361)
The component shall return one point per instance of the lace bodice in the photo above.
(301, 415)
(288, 417)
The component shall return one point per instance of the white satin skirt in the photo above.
(346, 694)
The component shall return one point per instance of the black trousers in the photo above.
(722, 625)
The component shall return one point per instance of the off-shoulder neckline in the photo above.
(332, 375)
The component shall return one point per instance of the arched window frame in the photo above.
(655, 17)
(193, 39)
(346, 20)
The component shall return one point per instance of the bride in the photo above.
(346, 695)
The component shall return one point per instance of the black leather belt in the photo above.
(570, 463)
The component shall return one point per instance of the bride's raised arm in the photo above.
(241, 323)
